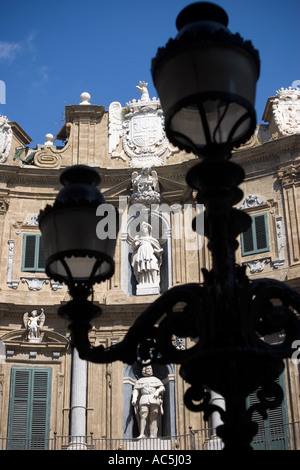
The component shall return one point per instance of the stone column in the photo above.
(289, 177)
(218, 400)
(85, 119)
(78, 403)
(215, 443)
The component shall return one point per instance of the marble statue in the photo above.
(142, 87)
(5, 139)
(148, 402)
(34, 324)
(147, 258)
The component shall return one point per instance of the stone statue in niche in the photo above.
(146, 261)
(148, 403)
(34, 324)
(145, 187)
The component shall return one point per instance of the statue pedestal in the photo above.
(147, 290)
(149, 444)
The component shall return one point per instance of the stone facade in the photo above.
(120, 143)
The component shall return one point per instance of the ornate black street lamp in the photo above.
(75, 255)
(206, 79)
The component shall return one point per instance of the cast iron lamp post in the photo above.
(75, 255)
(206, 79)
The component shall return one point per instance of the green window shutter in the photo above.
(29, 413)
(29, 244)
(40, 406)
(41, 256)
(33, 258)
(256, 238)
(18, 418)
(273, 432)
(260, 232)
(247, 238)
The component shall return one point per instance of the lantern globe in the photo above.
(206, 81)
(73, 250)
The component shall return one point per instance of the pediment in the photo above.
(169, 185)
(170, 190)
(120, 189)
(47, 338)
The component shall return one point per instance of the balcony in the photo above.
(282, 437)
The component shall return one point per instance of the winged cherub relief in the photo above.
(145, 187)
(34, 324)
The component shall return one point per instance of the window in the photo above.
(29, 410)
(273, 432)
(33, 258)
(256, 238)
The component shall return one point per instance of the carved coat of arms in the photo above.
(286, 110)
(145, 130)
(140, 127)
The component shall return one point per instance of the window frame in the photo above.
(273, 430)
(254, 236)
(35, 267)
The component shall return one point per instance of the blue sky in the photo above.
(51, 52)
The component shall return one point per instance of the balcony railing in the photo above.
(283, 437)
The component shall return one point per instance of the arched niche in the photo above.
(161, 230)
(166, 374)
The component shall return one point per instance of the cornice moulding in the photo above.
(267, 150)
(89, 112)
(32, 175)
(49, 177)
(20, 133)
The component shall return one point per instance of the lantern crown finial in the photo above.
(206, 82)
(201, 11)
(80, 174)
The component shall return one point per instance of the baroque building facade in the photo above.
(47, 393)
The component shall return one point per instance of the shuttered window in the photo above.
(29, 408)
(273, 432)
(256, 238)
(33, 258)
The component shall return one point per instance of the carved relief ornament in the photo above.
(5, 139)
(4, 203)
(286, 110)
(141, 127)
(145, 187)
(46, 159)
(290, 175)
(252, 200)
